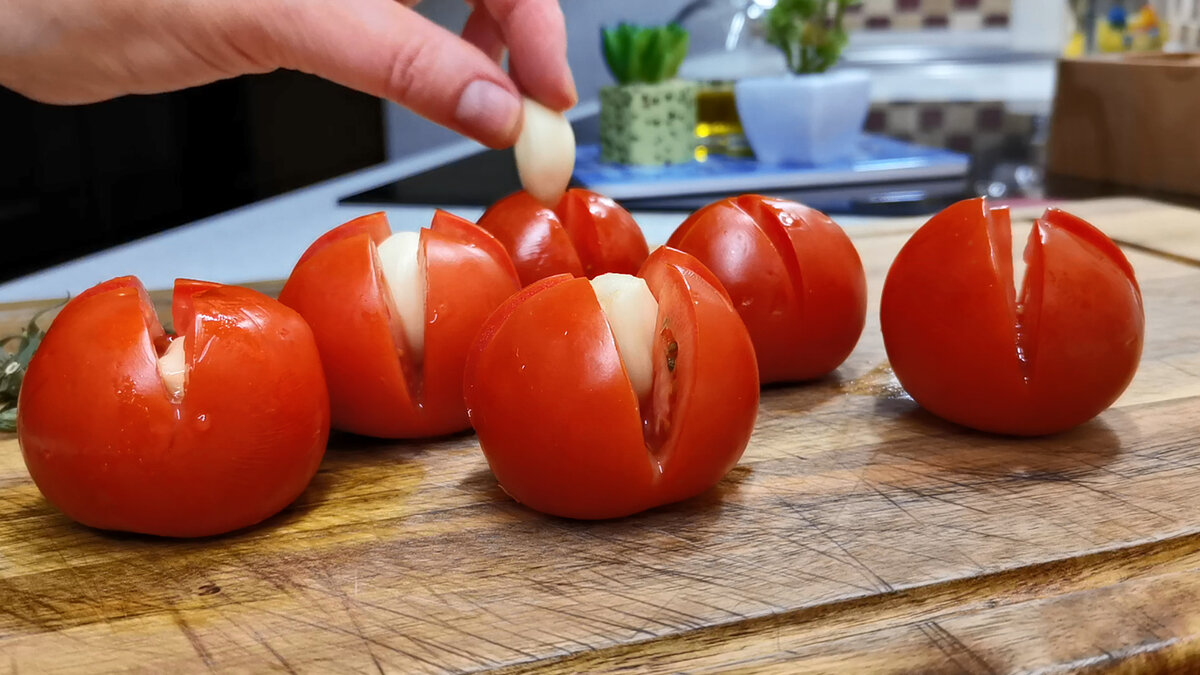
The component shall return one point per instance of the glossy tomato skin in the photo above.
(377, 386)
(557, 417)
(969, 350)
(585, 234)
(109, 446)
(794, 277)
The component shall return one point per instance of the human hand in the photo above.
(81, 51)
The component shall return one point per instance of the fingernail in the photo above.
(488, 110)
(573, 92)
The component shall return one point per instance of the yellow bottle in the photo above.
(1109, 39)
(1145, 31)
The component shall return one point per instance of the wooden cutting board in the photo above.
(858, 534)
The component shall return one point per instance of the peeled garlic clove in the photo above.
(172, 367)
(632, 314)
(545, 153)
(404, 274)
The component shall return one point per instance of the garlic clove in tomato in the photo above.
(172, 367)
(403, 262)
(545, 153)
(632, 314)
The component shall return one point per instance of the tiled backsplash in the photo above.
(965, 126)
(878, 15)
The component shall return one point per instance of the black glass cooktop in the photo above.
(475, 180)
(483, 178)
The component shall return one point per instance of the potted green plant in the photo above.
(649, 117)
(811, 115)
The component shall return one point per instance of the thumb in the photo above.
(385, 49)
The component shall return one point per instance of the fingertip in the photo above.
(556, 92)
(570, 93)
(561, 100)
(536, 35)
(565, 96)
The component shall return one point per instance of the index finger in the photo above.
(536, 35)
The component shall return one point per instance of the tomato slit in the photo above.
(1004, 260)
(656, 410)
(409, 367)
(1029, 308)
(773, 222)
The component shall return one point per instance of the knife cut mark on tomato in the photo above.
(648, 352)
(632, 316)
(409, 386)
(1027, 317)
(632, 313)
(402, 261)
(1000, 241)
(579, 223)
(657, 417)
(773, 221)
(972, 347)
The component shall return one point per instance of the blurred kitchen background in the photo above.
(909, 41)
(975, 76)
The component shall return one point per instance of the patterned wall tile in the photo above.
(907, 21)
(878, 7)
(937, 7)
(966, 21)
(909, 15)
(965, 126)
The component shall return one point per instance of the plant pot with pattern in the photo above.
(649, 117)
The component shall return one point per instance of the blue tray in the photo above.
(877, 159)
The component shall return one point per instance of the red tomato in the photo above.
(109, 445)
(377, 385)
(969, 350)
(795, 279)
(586, 234)
(557, 415)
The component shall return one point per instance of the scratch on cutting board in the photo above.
(192, 637)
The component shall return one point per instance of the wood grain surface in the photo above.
(858, 534)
